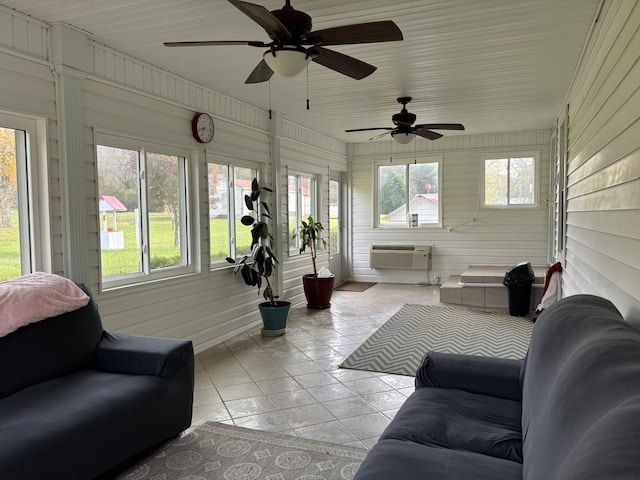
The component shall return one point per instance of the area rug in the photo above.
(355, 286)
(399, 344)
(218, 451)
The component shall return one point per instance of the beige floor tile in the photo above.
(326, 393)
(245, 407)
(366, 426)
(206, 396)
(292, 384)
(269, 422)
(363, 386)
(348, 407)
(333, 432)
(295, 398)
(306, 415)
(309, 380)
(278, 385)
(234, 392)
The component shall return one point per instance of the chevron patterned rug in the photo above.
(399, 344)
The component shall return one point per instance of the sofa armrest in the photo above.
(138, 355)
(498, 377)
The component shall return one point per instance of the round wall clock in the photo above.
(202, 127)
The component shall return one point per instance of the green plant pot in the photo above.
(274, 318)
(318, 290)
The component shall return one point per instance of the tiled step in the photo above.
(481, 286)
(494, 274)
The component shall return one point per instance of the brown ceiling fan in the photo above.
(405, 130)
(293, 44)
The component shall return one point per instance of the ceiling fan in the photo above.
(405, 130)
(293, 44)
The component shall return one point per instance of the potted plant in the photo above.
(317, 289)
(257, 268)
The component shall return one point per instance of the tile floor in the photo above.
(292, 384)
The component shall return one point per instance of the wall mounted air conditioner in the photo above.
(414, 257)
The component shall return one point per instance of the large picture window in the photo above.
(509, 180)
(23, 198)
(408, 194)
(144, 213)
(302, 203)
(228, 185)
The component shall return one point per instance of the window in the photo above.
(227, 236)
(302, 203)
(408, 195)
(23, 197)
(334, 217)
(509, 181)
(143, 213)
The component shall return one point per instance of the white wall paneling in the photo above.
(603, 201)
(497, 237)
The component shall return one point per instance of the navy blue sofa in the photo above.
(569, 411)
(76, 400)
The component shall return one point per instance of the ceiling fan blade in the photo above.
(382, 134)
(209, 43)
(428, 134)
(263, 17)
(341, 63)
(372, 32)
(442, 126)
(368, 129)
(261, 73)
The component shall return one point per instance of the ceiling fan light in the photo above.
(403, 137)
(286, 62)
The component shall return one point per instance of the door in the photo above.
(336, 225)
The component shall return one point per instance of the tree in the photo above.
(392, 193)
(423, 178)
(8, 176)
(162, 187)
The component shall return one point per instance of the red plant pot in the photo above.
(318, 290)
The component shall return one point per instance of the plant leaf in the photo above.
(254, 184)
(247, 220)
(230, 260)
(248, 202)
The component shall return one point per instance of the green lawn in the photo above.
(127, 260)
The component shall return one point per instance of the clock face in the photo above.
(202, 127)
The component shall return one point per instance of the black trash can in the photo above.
(518, 280)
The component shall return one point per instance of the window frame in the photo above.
(188, 211)
(231, 164)
(406, 161)
(33, 192)
(508, 155)
(294, 242)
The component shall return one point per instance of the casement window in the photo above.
(302, 202)
(228, 185)
(509, 180)
(407, 194)
(24, 203)
(144, 212)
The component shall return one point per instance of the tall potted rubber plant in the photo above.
(257, 268)
(317, 289)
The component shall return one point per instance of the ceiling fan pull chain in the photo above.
(269, 99)
(307, 86)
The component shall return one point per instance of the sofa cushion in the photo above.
(50, 348)
(80, 425)
(36, 296)
(405, 460)
(581, 393)
(460, 420)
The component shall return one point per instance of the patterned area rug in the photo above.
(399, 344)
(218, 451)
